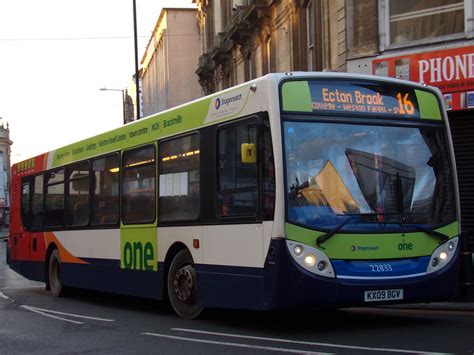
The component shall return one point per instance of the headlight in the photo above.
(311, 259)
(442, 255)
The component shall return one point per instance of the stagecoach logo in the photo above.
(228, 105)
(364, 248)
(226, 101)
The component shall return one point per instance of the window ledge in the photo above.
(428, 41)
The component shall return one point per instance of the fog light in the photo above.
(310, 260)
(298, 250)
(321, 265)
(450, 246)
(443, 255)
(435, 262)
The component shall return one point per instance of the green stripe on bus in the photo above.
(372, 246)
(296, 96)
(428, 105)
(140, 132)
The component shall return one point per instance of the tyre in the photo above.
(54, 274)
(182, 286)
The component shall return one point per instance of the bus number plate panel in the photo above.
(383, 295)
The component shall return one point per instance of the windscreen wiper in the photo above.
(323, 237)
(431, 232)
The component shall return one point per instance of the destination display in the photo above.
(359, 98)
(351, 97)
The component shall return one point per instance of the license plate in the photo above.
(383, 295)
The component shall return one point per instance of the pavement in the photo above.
(442, 306)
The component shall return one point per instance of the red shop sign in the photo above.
(451, 70)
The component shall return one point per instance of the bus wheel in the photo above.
(54, 274)
(182, 286)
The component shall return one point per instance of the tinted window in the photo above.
(37, 202)
(25, 203)
(54, 202)
(105, 198)
(138, 196)
(77, 202)
(179, 179)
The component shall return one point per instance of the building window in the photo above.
(405, 21)
(179, 169)
(105, 198)
(138, 195)
(310, 36)
(237, 181)
(267, 56)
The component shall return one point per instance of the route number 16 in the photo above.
(405, 105)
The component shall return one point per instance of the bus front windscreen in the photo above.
(367, 177)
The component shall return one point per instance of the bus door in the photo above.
(20, 237)
(234, 246)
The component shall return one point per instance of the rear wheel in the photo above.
(182, 286)
(54, 274)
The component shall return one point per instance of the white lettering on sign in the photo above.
(447, 68)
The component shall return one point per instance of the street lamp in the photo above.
(123, 101)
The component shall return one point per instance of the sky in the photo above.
(55, 55)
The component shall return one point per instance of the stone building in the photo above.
(168, 68)
(5, 151)
(245, 39)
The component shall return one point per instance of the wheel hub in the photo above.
(183, 283)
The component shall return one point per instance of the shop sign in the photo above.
(451, 70)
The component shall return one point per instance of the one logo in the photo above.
(353, 248)
(217, 104)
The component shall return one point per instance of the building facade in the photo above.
(5, 151)
(168, 67)
(245, 39)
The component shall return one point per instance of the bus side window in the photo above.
(138, 186)
(77, 199)
(237, 181)
(105, 196)
(54, 201)
(179, 169)
(25, 202)
(37, 203)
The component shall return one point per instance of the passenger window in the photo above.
(77, 202)
(237, 181)
(138, 195)
(37, 203)
(179, 171)
(25, 203)
(54, 203)
(105, 198)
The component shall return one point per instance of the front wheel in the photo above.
(54, 274)
(182, 286)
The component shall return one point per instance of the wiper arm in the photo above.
(323, 237)
(438, 235)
